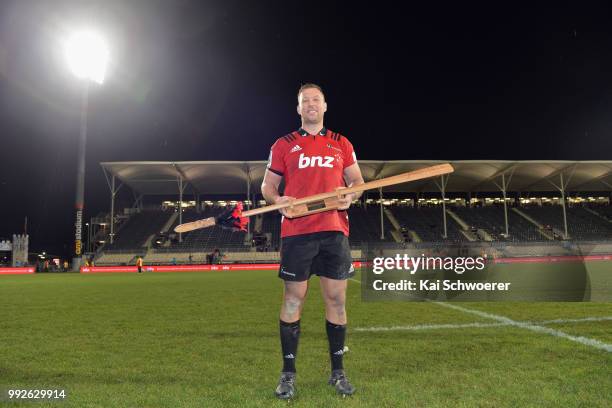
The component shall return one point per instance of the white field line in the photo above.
(526, 325)
(532, 327)
(584, 319)
(420, 327)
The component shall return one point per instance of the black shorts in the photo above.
(324, 253)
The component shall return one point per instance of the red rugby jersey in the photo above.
(312, 164)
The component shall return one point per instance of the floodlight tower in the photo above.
(87, 55)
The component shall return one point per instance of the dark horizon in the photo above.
(218, 81)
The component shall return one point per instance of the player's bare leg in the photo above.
(334, 296)
(291, 310)
(293, 300)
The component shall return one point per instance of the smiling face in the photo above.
(311, 106)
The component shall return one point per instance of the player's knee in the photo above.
(335, 300)
(292, 305)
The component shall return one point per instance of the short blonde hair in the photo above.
(309, 85)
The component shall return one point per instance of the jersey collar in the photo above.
(322, 132)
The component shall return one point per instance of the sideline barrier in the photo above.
(177, 268)
(185, 268)
(17, 271)
(272, 266)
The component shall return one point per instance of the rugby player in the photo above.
(312, 160)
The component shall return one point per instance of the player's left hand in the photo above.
(345, 201)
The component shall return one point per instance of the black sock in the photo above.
(289, 336)
(335, 335)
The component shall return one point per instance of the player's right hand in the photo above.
(282, 200)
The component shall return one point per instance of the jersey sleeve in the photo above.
(276, 160)
(349, 153)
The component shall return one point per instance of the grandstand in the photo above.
(271, 225)
(206, 239)
(534, 225)
(604, 211)
(365, 225)
(140, 229)
(491, 219)
(117, 257)
(427, 223)
(582, 224)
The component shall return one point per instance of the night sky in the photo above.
(199, 80)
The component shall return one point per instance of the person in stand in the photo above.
(217, 256)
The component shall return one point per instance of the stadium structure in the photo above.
(499, 208)
(161, 339)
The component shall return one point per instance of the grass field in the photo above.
(210, 340)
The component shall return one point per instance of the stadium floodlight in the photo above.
(87, 54)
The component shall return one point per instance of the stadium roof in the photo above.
(233, 177)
